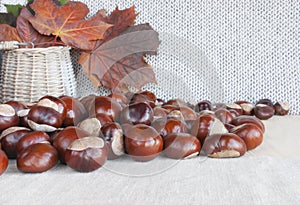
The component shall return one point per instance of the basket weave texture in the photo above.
(27, 74)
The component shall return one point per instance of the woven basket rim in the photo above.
(50, 48)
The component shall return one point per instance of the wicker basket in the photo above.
(30, 73)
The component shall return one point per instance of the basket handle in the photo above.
(10, 45)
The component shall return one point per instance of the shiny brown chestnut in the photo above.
(76, 111)
(86, 154)
(37, 158)
(16, 105)
(65, 138)
(181, 146)
(143, 143)
(8, 117)
(46, 115)
(137, 113)
(23, 117)
(3, 162)
(203, 105)
(143, 98)
(224, 146)
(106, 105)
(169, 126)
(103, 119)
(187, 113)
(281, 108)
(250, 133)
(202, 126)
(150, 95)
(263, 111)
(32, 138)
(265, 101)
(224, 115)
(10, 138)
(243, 119)
(113, 135)
(61, 105)
(234, 109)
(247, 107)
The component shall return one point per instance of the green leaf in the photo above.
(13, 9)
(63, 2)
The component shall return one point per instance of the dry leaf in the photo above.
(28, 33)
(67, 23)
(9, 33)
(119, 62)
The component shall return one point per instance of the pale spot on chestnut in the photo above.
(48, 103)
(85, 143)
(7, 110)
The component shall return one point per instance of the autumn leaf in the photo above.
(119, 62)
(68, 23)
(130, 71)
(9, 33)
(121, 19)
(28, 33)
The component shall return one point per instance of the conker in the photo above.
(248, 119)
(86, 154)
(143, 143)
(106, 105)
(224, 115)
(46, 115)
(137, 113)
(8, 117)
(113, 136)
(32, 138)
(3, 162)
(65, 138)
(202, 126)
(224, 146)
(181, 146)
(37, 158)
(16, 105)
(10, 138)
(263, 111)
(172, 125)
(76, 111)
(250, 133)
(203, 105)
(282, 108)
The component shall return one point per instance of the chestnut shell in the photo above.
(224, 146)
(37, 158)
(3, 162)
(143, 143)
(181, 145)
(137, 113)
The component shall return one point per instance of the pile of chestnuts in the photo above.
(84, 133)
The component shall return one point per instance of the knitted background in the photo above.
(222, 51)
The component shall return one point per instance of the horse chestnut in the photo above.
(143, 143)
(37, 158)
(181, 146)
(86, 154)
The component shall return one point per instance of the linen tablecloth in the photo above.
(267, 175)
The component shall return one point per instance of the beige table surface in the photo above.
(269, 174)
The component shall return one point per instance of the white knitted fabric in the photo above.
(220, 51)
